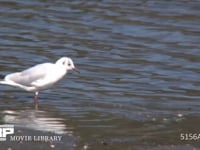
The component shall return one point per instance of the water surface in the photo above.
(139, 61)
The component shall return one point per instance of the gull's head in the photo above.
(67, 63)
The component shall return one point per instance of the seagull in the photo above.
(40, 77)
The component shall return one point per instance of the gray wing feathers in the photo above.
(27, 77)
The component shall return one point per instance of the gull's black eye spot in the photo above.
(63, 63)
(69, 64)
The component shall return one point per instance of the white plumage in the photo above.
(40, 77)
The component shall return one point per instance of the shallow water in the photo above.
(139, 61)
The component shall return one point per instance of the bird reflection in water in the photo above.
(35, 120)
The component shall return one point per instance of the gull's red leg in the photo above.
(36, 100)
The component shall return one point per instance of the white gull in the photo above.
(40, 77)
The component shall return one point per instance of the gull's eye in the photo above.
(69, 64)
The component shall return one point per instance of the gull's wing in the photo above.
(31, 75)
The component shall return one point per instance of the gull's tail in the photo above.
(4, 80)
(7, 81)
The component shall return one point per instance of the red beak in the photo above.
(76, 69)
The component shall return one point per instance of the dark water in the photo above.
(139, 81)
